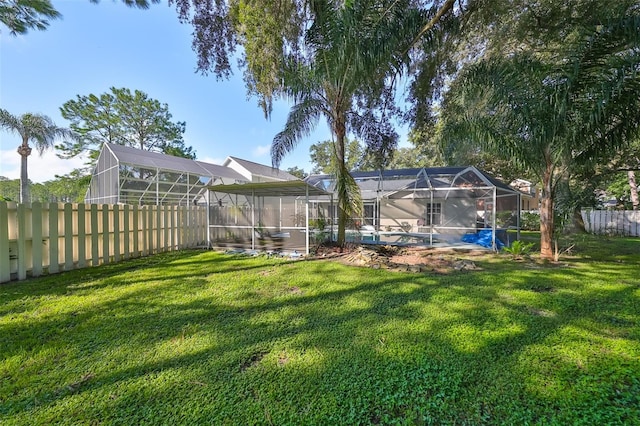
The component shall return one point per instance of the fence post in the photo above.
(618, 216)
(586, 219)
(176, 228)
(203, 225)
(106, 251)
(181, 229)
(165, 227)
(116, 233)
(95, 240)
(151, 226)
(5, 263)
(36, 239)
(196, 226)
(135, 227)
(82, 236)
(158, 210)
(143, 227)
(68, 237)
(22, 242)
(172, 223)
(136, 231)
(54, 259)
(126, 236)
(186, 226)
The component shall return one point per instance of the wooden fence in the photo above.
(38, 239)
(612, 222)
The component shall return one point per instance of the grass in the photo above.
(204, 338)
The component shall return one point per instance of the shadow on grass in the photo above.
(319, 342)
(124, 274)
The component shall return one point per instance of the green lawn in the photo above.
(205, 338)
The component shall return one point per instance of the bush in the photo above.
(518, 249)
(530, 221)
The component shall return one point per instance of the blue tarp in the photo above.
(483, 238)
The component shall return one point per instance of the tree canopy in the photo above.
(335, 60)
(347, 77)
(69, 188)
(124, 118)
(32, 128)
(323, 157)
(265, 35)
(553, 108)
(20, 16)
(297, 172)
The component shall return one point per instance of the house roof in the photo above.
(257, 169)
(150, 159)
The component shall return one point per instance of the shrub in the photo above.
(530, 221)
(518, 249)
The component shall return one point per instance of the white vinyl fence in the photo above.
(42, 238)
(612, 222)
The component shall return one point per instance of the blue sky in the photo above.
(94, 47)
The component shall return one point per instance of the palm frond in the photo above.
(498, 106)
(301, 121)
(21, 16)
(608, 83)
(36, 128)
(9, 121)
(43, 131)
(348, 192)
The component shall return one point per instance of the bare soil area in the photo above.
(406, 259)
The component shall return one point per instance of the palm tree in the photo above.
(22, 16)
(356, 50)
(552, 117)
(35, 128)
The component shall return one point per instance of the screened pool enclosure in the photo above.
(249, 205)
(264, 216)
(127, 175)
(446, 206)
(252, 206)
(432, 206)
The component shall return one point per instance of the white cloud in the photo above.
(261, 150)
(40, 169)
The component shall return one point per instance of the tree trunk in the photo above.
(578, 221)
(631, 175)
(546, 215)
(24, 150)
(341, 168)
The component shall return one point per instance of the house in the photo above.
(531, 198)
(255, 172)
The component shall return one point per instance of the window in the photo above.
(433, 211)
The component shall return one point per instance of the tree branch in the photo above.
(446, 7)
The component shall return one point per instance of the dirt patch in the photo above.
(405, 259)
(265, 273)
(294, 290)
(253, 360)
